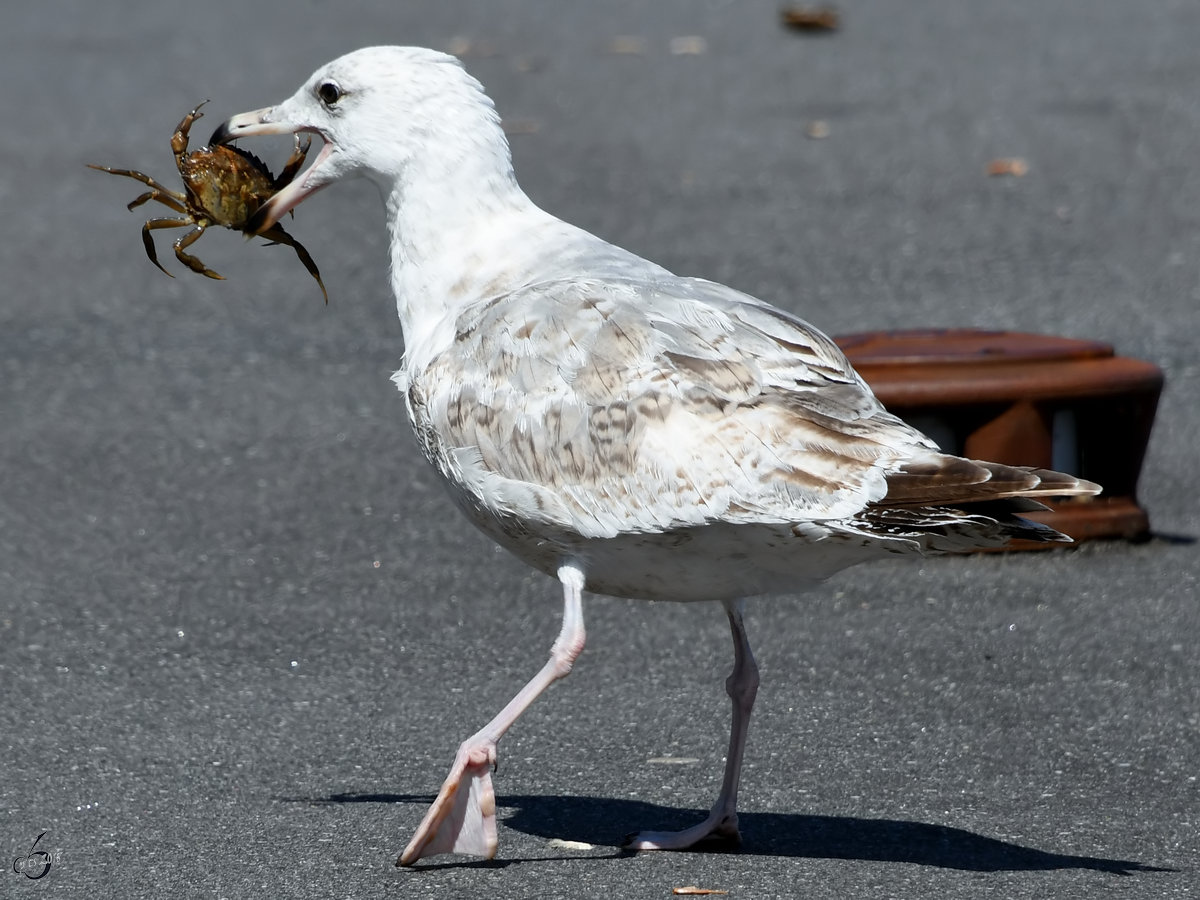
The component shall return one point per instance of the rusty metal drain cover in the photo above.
(1025, 400)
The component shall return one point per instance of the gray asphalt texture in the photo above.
(242, 630)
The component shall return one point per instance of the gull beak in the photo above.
(259, 121)
(270, 121)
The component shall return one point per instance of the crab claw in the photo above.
(278, 120)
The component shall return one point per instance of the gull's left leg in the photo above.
(464, 821)
(722, 821)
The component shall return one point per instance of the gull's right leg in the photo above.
(463, 817)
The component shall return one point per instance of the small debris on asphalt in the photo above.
(811, 18)
(561, 844)
(463, 47)
(520, 126)
(688, 45)
(627, 45)
(1009, 165)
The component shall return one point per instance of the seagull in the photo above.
(623, 429)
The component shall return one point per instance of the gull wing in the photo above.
(611, 406)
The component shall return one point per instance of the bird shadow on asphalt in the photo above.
(605, 822)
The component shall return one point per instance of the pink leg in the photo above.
(464, 821)
(722, 821)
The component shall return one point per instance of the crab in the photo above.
(223, 185)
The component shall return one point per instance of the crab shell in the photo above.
(227, 183)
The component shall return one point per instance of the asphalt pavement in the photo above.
(242, 630)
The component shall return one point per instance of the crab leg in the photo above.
(173, 199)
(293, 164)
(179, 140)
(278, 236)
(157, 194)
(154, 225)
(190, 261)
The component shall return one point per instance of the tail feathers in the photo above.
(939, 480)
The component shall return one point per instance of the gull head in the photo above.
(382, 112)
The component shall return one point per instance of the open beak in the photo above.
(308, 182)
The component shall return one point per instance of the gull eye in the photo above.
(329, 92)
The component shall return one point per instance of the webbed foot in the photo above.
(463, 817)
